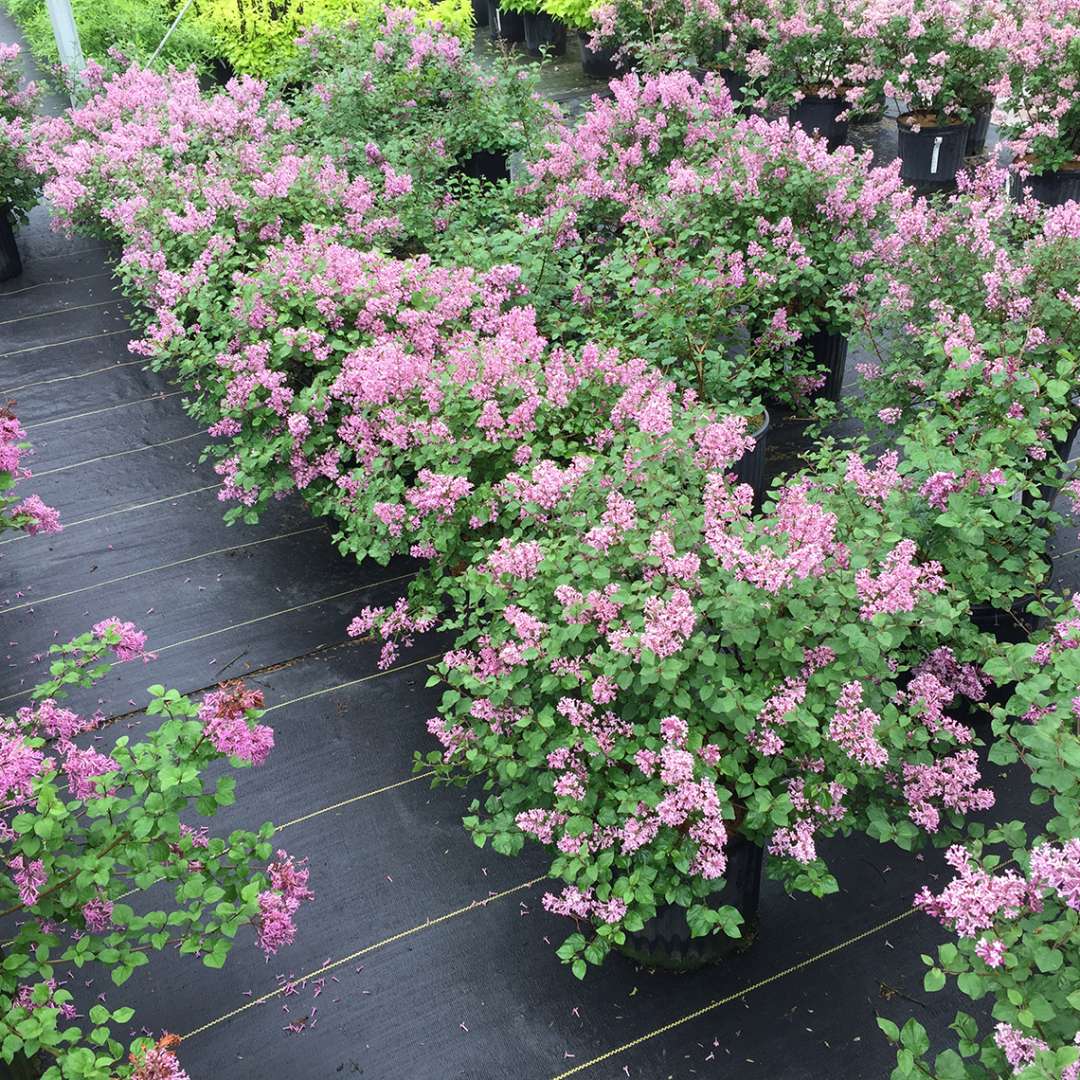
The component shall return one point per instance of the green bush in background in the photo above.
(256, 36)
(135, 27)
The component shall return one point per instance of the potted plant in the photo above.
(544, 34)
(817, 60)
(648, 680)
(423, 101)
(18, 183)
(89, 825)
(940, 60)
(1011, 901)
(685, 238)
(598, 62)
(1040, 102)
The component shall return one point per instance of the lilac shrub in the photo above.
(700, 226)
(636, 681)
(1015, 918)
(29, 514)
(82, 828)
(18, 182)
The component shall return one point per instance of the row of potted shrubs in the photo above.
(552, 393)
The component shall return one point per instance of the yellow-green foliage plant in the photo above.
(257, 36)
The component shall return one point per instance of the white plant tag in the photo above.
(937, 150)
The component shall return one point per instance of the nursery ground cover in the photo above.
(479, 993)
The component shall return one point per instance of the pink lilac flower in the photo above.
(132, 640)
(900, 583)
(29, 877)
(223, 713)
(975, 899)
(42, 518)
(991, 951)
(83, 768)
(1019, 1049)
(159, 1063)
(1058, 868)
(950, 781)
(98, 914)
(853, 728)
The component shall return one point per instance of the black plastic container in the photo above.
(487, 165)
(505, 26)
(931, 156)
(818, 115)
(750, 468)
(1009, 627)
(980, 127)
(735, 81)
(10, 261)
(544, 34)
(481, 15)
(665, 941)
(598, 63)
(1048, 188)
(830, 353)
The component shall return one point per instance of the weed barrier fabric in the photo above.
(440, 989)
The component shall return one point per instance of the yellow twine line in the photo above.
(70, 341)
(366, 950)
(55, 284)
(354, 682)
(68, 525)
(155, 569)
(119, 453)
(68, 378)
(733, 997)
(107, 408)
(58, 311)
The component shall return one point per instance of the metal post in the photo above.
(67, 38)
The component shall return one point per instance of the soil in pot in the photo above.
(1049, 188)
(980, 127)
(931, 155)
(506, 26)
(818, 116)
(543, 33)
(10, 260)
(665, 941)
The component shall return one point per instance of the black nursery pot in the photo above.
(492, 166)
(481, 15)
(750, 468)
(665, 941)
(735, 81)
(508, 26)
(931, 156)
(980, 126)
(818, 115)
(544, 33)
(1048, 188)
(1009, 627)
(10, 262)
(598, 63)
(830, 352)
